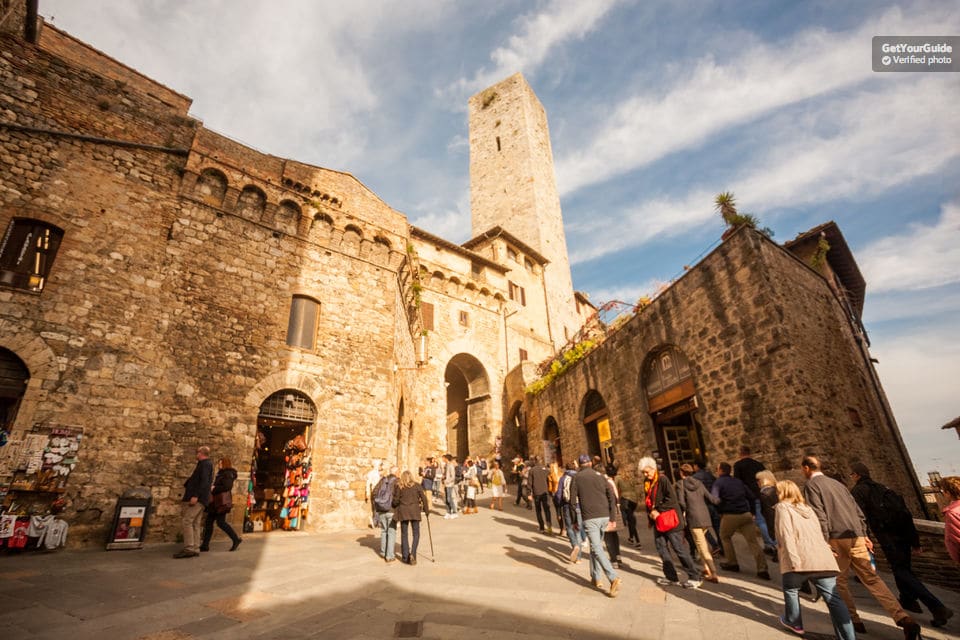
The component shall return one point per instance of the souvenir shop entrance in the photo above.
(279, 490)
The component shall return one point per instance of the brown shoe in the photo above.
(911, 630)
(614, 587)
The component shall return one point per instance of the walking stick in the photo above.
(433, 558)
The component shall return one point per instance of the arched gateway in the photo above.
(468, 406)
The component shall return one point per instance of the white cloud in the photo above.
(293, 82)
(919, 374)
(719, 95)
(628, 293)
(925, 256)
(845, 147)
(536, 35)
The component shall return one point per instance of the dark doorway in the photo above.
(551, 442)
(13, 384)
(596, 426)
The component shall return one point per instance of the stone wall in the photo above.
(776, 366)
(163, 322)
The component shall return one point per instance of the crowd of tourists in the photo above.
(817, 534)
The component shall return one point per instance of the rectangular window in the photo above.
(464, 318)
(27, 253)
(426, 312)
(302, 329)
(512, 254)
(523, 355)
(517, 293)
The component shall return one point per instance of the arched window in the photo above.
(27, 252)
(666, 369)
(304, 318)
(251, 203)
(211, 186)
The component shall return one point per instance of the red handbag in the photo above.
(667, 520)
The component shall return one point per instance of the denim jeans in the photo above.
(388, 535)
(542, 504)
(405, 550)
(839, 614)
(599, 560)
(571, 519)
(451, 493)
(675, 539)
(762, 525)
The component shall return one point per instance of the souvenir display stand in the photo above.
(35, 470)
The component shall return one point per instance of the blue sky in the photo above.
(654, 108)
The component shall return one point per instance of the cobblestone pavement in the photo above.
(493, 576)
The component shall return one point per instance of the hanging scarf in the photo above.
(650, 490)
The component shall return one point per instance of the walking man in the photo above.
(736, 516)
(892, 524)
(540, 491)
(450, 486)
(745, 470)
(591, 492)
(373, 477)
(196, 497)
(386, 497)
(845, 530)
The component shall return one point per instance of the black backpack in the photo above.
(383, 500)
(886, 510)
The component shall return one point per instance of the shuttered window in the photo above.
(302, 328)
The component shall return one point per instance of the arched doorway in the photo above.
(468, 406)
(13, 384)
(596, 426)
(514, 434)
(551, 442)
(280, 470)
(672, 402)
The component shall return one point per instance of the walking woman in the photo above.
(498, 483)
(805, 555)
(694, 499)
(473, 486)
(217, 511)
(629, 497)
(663, 511)
(413, 500)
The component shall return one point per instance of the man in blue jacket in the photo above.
(196, 497)
(736, 516)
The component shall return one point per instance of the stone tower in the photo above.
(513, 186)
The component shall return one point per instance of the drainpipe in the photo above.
(30, 32)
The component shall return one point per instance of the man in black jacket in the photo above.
(540, 493)
(591, 492)
(892, 524)
(845, 530)
(196, 497)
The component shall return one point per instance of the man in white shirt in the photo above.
(373, 477)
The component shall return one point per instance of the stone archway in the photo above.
(468, 406)
(551, 442)
(596, 426)
(673, 407)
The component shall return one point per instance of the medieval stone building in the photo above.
(163, 287)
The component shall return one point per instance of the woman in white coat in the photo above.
(805, 555)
